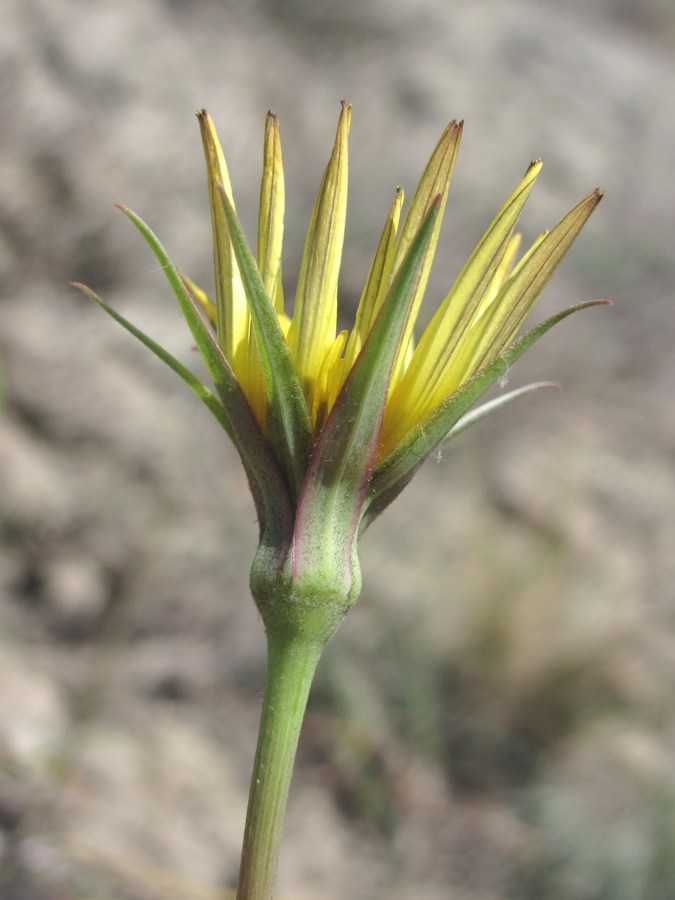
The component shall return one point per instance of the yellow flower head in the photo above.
(332, 425)
(477, 320)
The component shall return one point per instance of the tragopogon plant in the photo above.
(332, 426)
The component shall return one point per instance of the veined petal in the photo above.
(435, 181)
(433, 372)
(517, 296)
(502, 272)
(313, 326)
(271, 214)
(377, 283)
(233, 318)
(270, 240)
(506, 271)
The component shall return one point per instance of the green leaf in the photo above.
(288, 417)
(397, 470)
(337, 480)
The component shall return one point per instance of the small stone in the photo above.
(32, 710)
(76, 593)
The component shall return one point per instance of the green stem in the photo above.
(291, 664)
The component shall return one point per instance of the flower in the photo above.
(332, 425)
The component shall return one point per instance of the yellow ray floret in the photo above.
(271, 214)
(479, 317)
(313, 326)
(436, 369)
(233, 319)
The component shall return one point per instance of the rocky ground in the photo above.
(495, 719)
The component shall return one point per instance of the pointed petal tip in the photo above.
(206, 125)
(345, 116)
(452, 130)
(591, 200)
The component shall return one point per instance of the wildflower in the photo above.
(332, 425)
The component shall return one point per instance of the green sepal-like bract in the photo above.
(339, 472)
(267, 486)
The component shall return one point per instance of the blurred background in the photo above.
(496, 717)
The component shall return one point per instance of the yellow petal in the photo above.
(520, 292)
(285, 323)
(435, 181)
(233, 318)
(202, 298)
(377, 283)
(328, 382)
(502, 272)
(436, 368)
(271, 214)
(313, 326)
